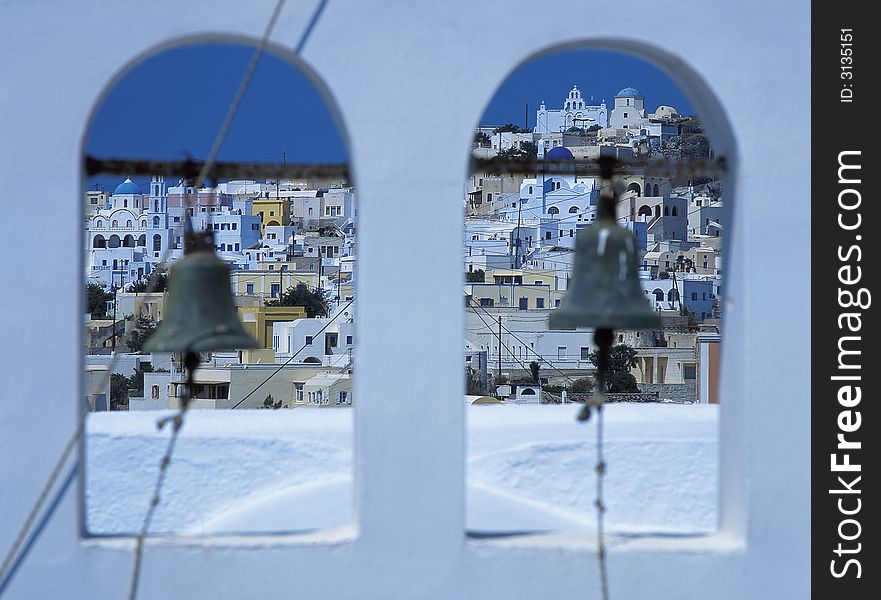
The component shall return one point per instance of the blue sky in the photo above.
(597, 73)
(174, 103)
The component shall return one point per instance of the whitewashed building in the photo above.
(575, 111)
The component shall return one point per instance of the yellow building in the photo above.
(266, 285)
(519, 296)
(258, 320)
(521, 276)
(272, 212)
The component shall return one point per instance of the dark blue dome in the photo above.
(127, 187)
(559, 153)
(629, 92)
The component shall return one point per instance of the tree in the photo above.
(140, 287)
(582, 385)
(270, 402)
(477, 276)
(481, 139)
(508, 128)
(118, 392)
(96, 300)
(473, 385)
(535, 370)
(618, 377)
(312, 300)
(525, 151)
(144, 328)
(136, 381)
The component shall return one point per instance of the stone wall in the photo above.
(685, 393)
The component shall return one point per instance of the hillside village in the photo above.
(291, 248)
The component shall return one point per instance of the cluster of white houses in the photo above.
(274, 236)
(518, 254)
(519, 246)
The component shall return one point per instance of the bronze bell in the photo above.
(200, 315)
(604, 292)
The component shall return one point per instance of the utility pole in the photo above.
(499, 373)
(281, 269)
(113, 285)
(517, 250)
(319, 267)
(676, 291)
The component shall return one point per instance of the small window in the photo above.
(308, 340)
(539, 302)
(585, 353)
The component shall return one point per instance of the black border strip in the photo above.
(844, 532)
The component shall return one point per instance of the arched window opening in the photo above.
(306, 296)
(570, 145)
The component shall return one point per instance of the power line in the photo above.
(550, 363)
(513, 355)
(288, 361)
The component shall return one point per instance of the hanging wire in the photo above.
(177, 420)
(600, 503)
(10, 558)
(29, 541)
(192, 362)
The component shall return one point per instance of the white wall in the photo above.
(409, 455)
